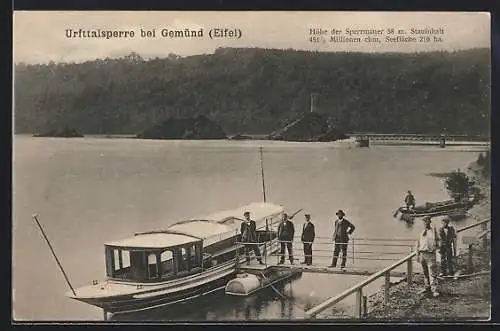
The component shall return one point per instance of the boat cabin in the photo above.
(153, 257)
(186, 247)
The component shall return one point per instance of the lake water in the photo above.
(88, 191)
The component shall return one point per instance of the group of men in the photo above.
(286, 232)
(429, 242)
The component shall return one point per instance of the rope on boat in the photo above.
(279, 293)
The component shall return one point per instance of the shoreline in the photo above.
(460, 299)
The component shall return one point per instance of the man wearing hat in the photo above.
(307, 239)
(249, 236)
(448, 249)
(286, 231)
(427, 244)
(343, 228)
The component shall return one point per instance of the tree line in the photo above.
(254, 90)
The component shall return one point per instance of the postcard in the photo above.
(251, 166)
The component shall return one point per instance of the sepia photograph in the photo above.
(251, 166)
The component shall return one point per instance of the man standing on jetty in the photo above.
(448, 249)
(307, 238)
(427, 244)
(343, 228)
(249, 237)
(286, 231)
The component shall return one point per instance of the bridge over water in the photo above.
(420, 139)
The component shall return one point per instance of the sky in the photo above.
(40, 36)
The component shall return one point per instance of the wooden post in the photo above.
(485, 242)
(237, 263)
(409, 273)
(105, 314)
(359, 301)
(352, 250)
(484, 226)
(268, 240)
(387, 285)
(470, 264)
(365, 305)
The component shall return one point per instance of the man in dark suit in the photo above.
(343, 228)
(249, 236)
(286, 231)
(448, 249)
(307, 238)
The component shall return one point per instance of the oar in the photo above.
(396, 212)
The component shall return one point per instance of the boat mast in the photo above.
(264, 195)
(262, 174)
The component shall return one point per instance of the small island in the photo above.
(60, 133)
(240, 136)
(198, 127)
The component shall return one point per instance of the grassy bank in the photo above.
(467, 298)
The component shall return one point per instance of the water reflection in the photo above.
(409, 222)
(261, 305)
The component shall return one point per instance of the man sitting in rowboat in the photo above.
(410, 201)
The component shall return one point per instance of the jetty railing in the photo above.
(361, 307)
(361, 249)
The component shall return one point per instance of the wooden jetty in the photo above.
(356, 271)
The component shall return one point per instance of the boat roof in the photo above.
(210, 228)
(217, 226)
(154, 240)
(258, 210)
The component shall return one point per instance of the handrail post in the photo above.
(365, 305)
(470, 263)
(409, 273)
(352, 250)
(387, 285)
(485, 237)
(409, 270)
(268, 237)
(237, 264)
(359, 300)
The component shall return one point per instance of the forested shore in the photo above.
(252, 90)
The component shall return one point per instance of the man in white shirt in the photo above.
(427, 245)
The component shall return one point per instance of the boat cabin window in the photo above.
(153, 266)
(144, 265)
(167, 264)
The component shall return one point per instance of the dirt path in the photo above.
(460, 299)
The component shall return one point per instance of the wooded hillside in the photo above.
(258, 90)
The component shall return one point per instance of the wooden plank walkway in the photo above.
(254, 267)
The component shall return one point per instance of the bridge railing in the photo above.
(360, 307)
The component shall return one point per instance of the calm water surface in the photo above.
(88, 191)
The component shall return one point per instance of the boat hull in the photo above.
(138, 297)
(437, 209)
(132, 303)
